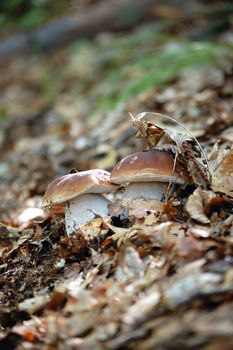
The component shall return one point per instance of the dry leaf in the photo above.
(156, 135)
(139, 208)
(216, 156)
(132, 265)
(147, 130)
(93, 228)
(34, 304)
(197, 170)
(217, 204)
(117, 208)
(200, 231)
(186, 288)
(227, 134)
(146, 212)
(195, 205)
(143, 308)
(222, 178)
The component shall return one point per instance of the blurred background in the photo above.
(71, 71)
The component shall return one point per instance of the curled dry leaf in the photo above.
(222, 178)
(147, 130)
(195, 205)
(155, 134)
(184, 148)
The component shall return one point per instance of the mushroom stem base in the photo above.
(145, 190)
(83, 209)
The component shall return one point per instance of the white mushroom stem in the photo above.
(83, 209)
(145, 190)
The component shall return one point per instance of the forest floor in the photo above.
(161, 278)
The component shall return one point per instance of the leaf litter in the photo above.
(154, 275)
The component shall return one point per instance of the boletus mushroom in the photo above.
(81, 192)
(148, 173)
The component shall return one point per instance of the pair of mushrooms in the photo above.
(146, 173)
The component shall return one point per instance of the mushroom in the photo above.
(81, 192)
(147, 173)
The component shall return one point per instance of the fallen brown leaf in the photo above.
(222, 178)
(195, 205)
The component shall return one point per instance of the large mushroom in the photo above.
(81, 192)
(148, 173)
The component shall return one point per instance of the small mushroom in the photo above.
(81, 192)
(148, 173)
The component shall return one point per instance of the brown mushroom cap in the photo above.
(149, 166)
(70, 186)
